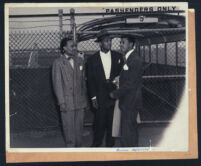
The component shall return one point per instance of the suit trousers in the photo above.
(73, 125)
(103, 123)
(129, 131)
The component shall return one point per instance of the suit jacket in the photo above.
(70, 88)
(97, 84)
(130, 84)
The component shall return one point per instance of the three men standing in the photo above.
(70, 89)
(102, 68)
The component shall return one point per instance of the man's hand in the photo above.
(63, 108)
(116, 81)
(95, 103)
(112, 95)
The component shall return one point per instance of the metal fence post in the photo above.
(150, 58)
(176, 52)
(165, 53)
(139, 50)
(144, 53)
(156, 53)
(61, 22)
(75, 52)
(73, 25)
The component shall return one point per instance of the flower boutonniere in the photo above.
(81, 68)
(125, 67)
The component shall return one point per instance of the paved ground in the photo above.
(148, 134)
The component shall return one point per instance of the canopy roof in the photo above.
(145, 28)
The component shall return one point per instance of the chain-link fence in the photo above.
(32, 101)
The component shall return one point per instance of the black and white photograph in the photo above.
(104, 77)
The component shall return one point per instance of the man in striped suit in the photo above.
(69, 86)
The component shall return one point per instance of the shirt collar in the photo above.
(108, 53)
(67, 56)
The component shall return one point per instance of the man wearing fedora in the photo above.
(129, 92)
(69, 87)
(102, 68)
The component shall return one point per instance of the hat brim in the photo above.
(100, 38)
(128, 36)
(97, 40)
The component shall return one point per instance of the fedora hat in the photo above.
(101, 34)
(130, 37)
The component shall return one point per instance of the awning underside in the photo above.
(154, 29)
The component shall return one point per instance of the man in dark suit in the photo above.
(70, 89)
(129, 92)
(102, 68)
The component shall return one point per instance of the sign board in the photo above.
(142, 19)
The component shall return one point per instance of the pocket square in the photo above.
(81, 67)
(125, 67)
(119, 61)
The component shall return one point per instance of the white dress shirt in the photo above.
(107, 63)
(70, 60)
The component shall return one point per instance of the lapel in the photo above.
(77, 65)
(112, 65)
(67, 65)
(130, 58)
(100, 66)
(129, 61)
